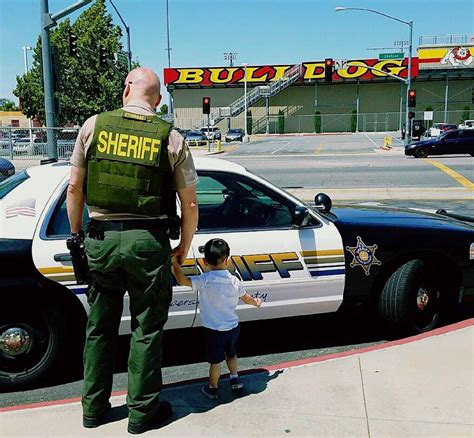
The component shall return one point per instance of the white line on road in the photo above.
(373, 142)
(279, 149)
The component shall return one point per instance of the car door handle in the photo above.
(201, 249)
(64, 257)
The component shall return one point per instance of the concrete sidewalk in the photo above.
(419, 386)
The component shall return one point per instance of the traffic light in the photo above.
(328, 63)
(206, 105)
(102, 56)
(411, 114)
(411, 98)
(73, 44)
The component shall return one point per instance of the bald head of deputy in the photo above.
(142, 84)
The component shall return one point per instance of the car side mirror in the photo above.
(322, 203)
(301, 216)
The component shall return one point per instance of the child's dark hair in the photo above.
(215, 251)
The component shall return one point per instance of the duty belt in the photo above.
(97, 228)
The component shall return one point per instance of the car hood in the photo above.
(396, 218)
(422, 143)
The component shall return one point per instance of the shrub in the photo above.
(317, 121)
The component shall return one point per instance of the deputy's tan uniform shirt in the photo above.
(184, 173)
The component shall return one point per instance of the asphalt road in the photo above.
(343, 161)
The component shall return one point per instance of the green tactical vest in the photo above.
(128, 169)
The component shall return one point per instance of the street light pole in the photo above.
(410, 48)
(127, 30)
(245, 100)
(25, 58)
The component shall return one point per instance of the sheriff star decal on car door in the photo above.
(364, 255)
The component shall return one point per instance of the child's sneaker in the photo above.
(209, 392)
(235, 383)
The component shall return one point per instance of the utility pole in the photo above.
(48, 21)
(127, 30)
(170, 108)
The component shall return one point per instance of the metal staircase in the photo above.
(255, 94)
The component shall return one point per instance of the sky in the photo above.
(261, 32)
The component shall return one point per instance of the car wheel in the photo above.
(30, 343)
(422, 152)
(411, 298)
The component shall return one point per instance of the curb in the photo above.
(284, 365)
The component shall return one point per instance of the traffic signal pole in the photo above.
(47, 22)
(407, 120)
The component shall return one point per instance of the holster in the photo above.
(77, 248)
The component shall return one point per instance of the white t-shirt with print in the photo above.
(219, 292)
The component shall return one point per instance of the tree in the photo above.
(465, 114)
(163, 110)
(8, 105)
(85, 87)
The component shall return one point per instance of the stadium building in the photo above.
(297, 98)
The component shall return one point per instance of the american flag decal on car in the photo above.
(26, 207)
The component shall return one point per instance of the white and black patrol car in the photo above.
(298, 259)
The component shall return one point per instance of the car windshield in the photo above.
(234, 131)
(11, 183)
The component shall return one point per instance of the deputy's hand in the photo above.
(258, 302)
(179, 253)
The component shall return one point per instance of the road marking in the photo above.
(452, 173)
(318, 149)
(279, 149)
(373, 142)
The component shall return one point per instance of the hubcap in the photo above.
(14, 341)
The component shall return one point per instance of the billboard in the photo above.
(446, 57)
(259, 75)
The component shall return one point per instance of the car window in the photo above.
(229, 202)
(468, 133)
(451, 135)
(58, 225)
(7, 185)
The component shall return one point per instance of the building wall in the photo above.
(379, 105)
(13, 118)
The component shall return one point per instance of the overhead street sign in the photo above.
(399, 55)
(121, 58)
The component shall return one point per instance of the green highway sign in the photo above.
(121, 58)
(399, 55)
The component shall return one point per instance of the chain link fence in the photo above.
(26, 147)
(326, 122)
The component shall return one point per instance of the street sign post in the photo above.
(397, 55)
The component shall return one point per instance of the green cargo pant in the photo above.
(139, 262)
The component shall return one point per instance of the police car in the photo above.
(297, 258)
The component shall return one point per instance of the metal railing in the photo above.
(254, 95)
(428, 40)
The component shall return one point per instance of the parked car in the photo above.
(195, 138)
(468, 124)
(213, 133)
(235, 134)
(457, 141)
(408, 266)
(22, 145)
(7, 169)
(439, 128)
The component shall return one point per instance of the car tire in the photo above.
(422, 152)
(411, 298)
(46, 333)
